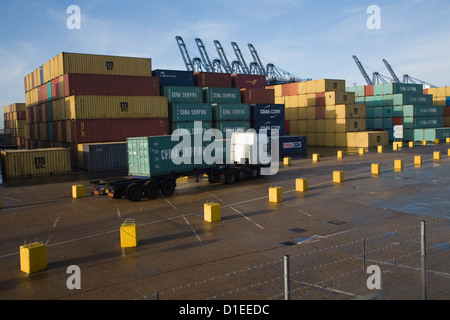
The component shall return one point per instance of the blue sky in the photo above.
(310, 39)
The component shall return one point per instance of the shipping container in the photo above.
(102, 156)
(334, 98)
(248, 81)
(394, 88)
(24, 163)
(110, 130)
(369, 90)
(325, 85)
(227, 127)
(116, 107)
(292, 145)
(422, 122)
(221, 95)
(185, 112)
(179, 94)
(367, 139)
(230, 112)
(350, 125)
(271, 125)
(257, 96)
(267, 112)
(153, 156)
(193, 127)
(424, 99)
(288, 89)
(212, 79)
(173, 78)
(436, 133)
(350, 111)
(108, 85)
(422, 110)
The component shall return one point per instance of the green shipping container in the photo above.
(177, 94)
(419, 134)
(378, 89)
(423, 99)
(422, 122)
(388, 111)
(422, 110)
(230, 112)
(436, 133)
(222, 95)
(185, 112)
(232, 126)
(159, 155)
(393, 88)
(408, 135)
(378, 112)
(369, 101)
(194, 128)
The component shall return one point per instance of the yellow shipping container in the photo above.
(279, 100)
(311, 126)
(116, 107)
(341, 139)
(291, 101)
(367, 139)
(330, 139)
(303, 125)
(335, 98)
(320, 125)
(310, 113)
(278, 90)
(320, 139)
(441, 92)
(67, 62)
(330, 112)
(330, 125)
(311, 99)
(302, 100)
(311, 138)
(350, 125)
(23, 163)
(350, 111)
(326, 85)
(301, 113)
(294, 126)
(302, 87)
(292, 113)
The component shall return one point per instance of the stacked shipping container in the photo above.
(441, 97)
(393, 104)
(14, 123)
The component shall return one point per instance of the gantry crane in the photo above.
(240, 59)
(223, 58)
(406, 78)
(391, 71)
(376, 76)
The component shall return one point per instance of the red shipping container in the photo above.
(30, 115)
(397, 121)
(257, 96)
(110, 85)
(55, 89)
(287, 126)
(320, 100)
(369, 90)
(320, 112)
(63, 133)
(425, 91)
(110, 130)
(212, 79)
(248, 81)
(446, 111)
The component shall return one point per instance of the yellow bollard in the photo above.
(424, 142)
(411, 144)
(400, 144)
(287, 161)
(398, 165)
(276, 194)
(33, 257)
(212, 212)
(447, 140)
(301, 184)
(340, 154)
(436, 141)
(77, 191)
(395, 146)
(362, 151)
(437, 155)
(338, 176)
(448, 152)
(129, 234)
(376, 168)
(380, 149)
(315, 157)
(418, 161)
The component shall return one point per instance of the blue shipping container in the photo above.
(172, 78)
(270, 125)
(267, 112)
(292, 145)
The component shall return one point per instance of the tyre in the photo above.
(151, 189)
(230, 177)
(241, 175)
(256, 173)
(134, 192)
(168, 187)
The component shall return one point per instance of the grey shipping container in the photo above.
(184, 112)
(103, 156)
(230, 112)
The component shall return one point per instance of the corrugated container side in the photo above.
(257, 96)
(248, 81)
(184, 112)
(171, 78)
(116, 107)
(25, 163)
(221, 95)
(110, 130)
(179, 94)
(193, 127)
(110, 85)
(227, 127)
(102, 156)
(212, 79)
(424, 99)
(270, 125)
(231, 112)
(292, 145)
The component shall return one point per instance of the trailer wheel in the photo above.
(168, 187)
(151, 189)
(230, 177)
(256, 173)
(134, 192)
(241, 175)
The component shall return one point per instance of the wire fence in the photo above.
(320, 269)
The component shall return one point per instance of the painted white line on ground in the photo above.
(259, 226)
(190, 226)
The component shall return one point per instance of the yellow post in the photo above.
(340, 154)
(380, 149)
(398, 165)
(315, 157)
(436, 141)
(418, 161)
(301, 184)
(448, 152)
(33, 257)
(400, 144)
(276, 194)
(437, 155)
(362, 151)
(376, 168)
(424, 142)
(395, 146)
(411, 144)
(287, 161)
(129, 234)
(338, 176)
(77, 191)
(212, 212)
(447, 140)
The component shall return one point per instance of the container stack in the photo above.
(76, 99)
(441, 96)
(14, 123)
(321, 110)
(399, 104)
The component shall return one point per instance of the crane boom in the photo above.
(255, 56)
(364, 73)
(204, 55)
(240, 58)
(222, 56)
(391, 71)
(184, 53)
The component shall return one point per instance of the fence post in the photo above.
(423, 258)
(287, 290)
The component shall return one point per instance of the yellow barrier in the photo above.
(77, 191)
(33, 257)
(398, 165)
(338, 176)
(276, 194)
(212, 212)
(437, 155)
(129, 234)
(340, 154)
(301, 184)
(287, 161)
(315, 157)
(418, 161)
(376, 168)
(380, 149)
